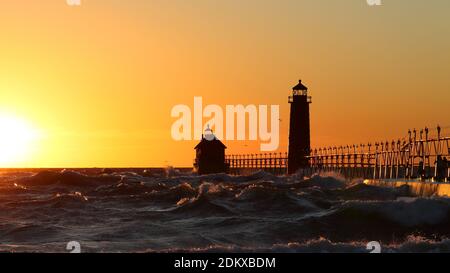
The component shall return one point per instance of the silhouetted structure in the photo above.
(408, 158)
(210, 155)
(299, 129)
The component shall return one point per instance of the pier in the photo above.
(420, 155)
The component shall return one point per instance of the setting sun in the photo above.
(16, 140)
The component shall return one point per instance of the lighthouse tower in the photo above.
(299, 129)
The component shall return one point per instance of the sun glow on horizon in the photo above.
(17, 140)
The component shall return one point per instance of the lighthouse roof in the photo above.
(300, 87)
(210, 140)
(208, 143)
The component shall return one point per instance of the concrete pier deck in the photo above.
(416, 187)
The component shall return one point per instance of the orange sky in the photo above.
(99, 81)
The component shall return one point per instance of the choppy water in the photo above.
(153, 211)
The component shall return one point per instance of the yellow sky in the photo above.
(99, 80)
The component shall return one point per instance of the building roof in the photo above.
(214, 142)
(300, 87)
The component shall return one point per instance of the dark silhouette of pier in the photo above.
(420, 155)
(423, 154)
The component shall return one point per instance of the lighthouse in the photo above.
(299, 128)
(210, 154)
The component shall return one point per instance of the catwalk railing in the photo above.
(275, 163)
(421, 154)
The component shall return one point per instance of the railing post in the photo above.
(397, 161)
(375, 169)
(391, 160)
(369, 159)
